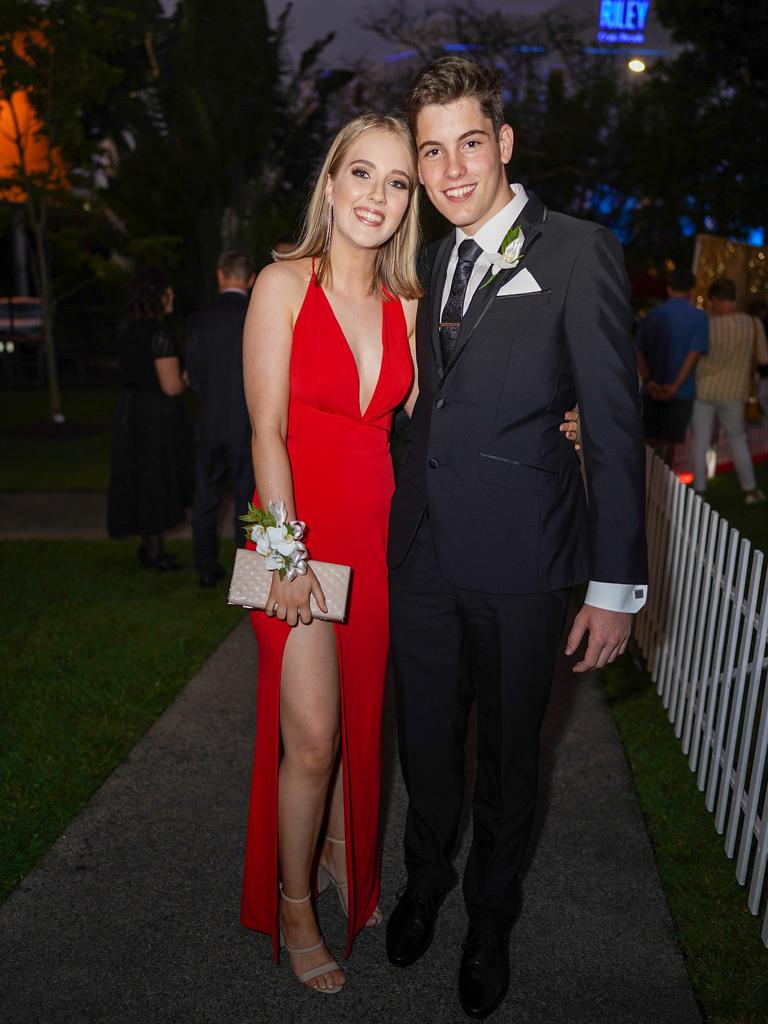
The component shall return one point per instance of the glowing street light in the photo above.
(636, 65)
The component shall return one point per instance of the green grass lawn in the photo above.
(73, 458)
(725, 495)
(56, 463)
(95, 648)
(726, 959)
(82, 405)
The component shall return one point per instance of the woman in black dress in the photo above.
(151, 471)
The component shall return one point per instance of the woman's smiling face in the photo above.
(370, 190)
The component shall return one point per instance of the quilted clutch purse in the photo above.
(251, 581)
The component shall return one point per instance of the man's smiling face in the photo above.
(461, 162)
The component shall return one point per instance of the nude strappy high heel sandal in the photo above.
(314, 972)
(326, 879)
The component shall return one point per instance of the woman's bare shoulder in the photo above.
(289, 275)
(280, 288)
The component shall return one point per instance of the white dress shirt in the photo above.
(613, 597)
(489, 238)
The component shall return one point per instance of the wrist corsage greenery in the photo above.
(278, 539)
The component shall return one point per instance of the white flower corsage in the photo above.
(509, 255)
(277, 539)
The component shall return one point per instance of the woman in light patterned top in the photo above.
(723, 380)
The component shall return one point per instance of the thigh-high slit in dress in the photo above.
(342, 484)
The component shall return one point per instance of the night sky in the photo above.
(311, 20)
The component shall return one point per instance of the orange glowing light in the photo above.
(22, 135)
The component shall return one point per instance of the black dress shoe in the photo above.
(162, 562)
(411, 926)
(484, 972)
(212, 578)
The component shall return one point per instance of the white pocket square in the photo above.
(521, 284)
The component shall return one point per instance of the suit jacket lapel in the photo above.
(436, 286)
(531, 218)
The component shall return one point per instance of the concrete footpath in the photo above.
(132, 917)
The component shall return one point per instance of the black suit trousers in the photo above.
(451, 647)
(217, 465)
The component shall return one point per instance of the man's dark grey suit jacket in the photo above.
(507, 505)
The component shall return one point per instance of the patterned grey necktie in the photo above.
(453, 311)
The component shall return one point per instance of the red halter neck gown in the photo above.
(343, 483)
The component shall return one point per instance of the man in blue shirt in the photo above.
(670, 341)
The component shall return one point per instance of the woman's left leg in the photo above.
(333, 857)
(702, 422)
(731, 415)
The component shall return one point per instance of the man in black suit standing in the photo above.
(526, 312)
(223, 436)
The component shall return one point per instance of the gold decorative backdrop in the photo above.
(746, 265)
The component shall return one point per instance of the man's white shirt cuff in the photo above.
(617, 597)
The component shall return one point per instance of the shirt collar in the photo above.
(491, 234)
(238, 291)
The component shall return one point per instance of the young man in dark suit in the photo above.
(223, 434)
(526, 312)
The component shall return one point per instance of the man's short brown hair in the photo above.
(448, 79)
(722, 288)
(236, 265)
(680, 280)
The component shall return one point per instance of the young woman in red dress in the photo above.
(326, 361)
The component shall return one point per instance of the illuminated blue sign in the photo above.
(623, 21)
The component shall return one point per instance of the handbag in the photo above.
(251, 582)
(752, 410)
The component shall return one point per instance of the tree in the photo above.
(728, 36)
(689, 137)
(216, 136)
(192, 139)
(311, 108)
(55, 63)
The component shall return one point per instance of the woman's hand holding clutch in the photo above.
(290, 600)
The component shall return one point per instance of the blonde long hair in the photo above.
(395, 268)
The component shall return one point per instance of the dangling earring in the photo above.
(329, 229)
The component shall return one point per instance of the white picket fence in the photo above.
(703, 637)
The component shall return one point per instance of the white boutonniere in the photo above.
(508, 256)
